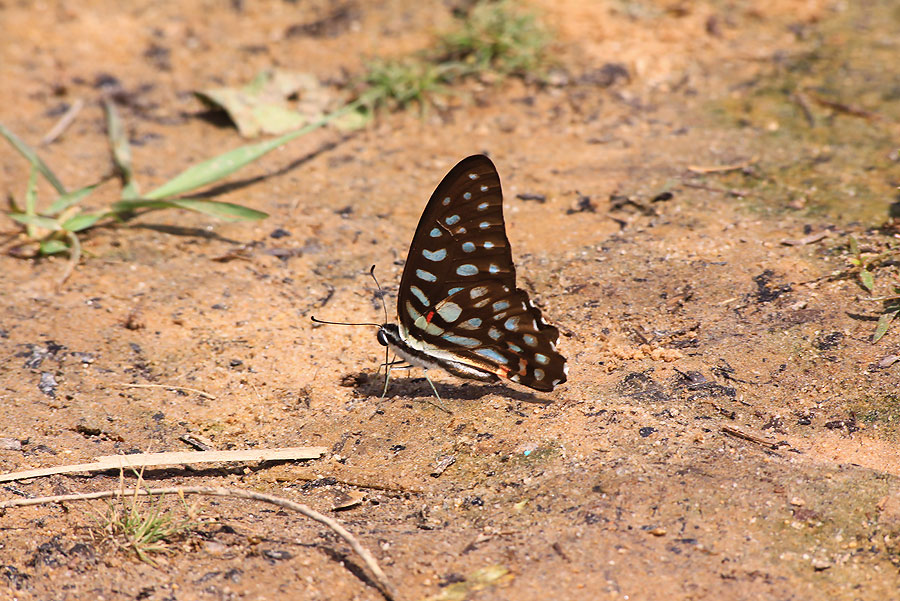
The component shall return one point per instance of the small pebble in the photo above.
(10, 444)
(820, 564)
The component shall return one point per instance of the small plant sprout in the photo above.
(864, 267)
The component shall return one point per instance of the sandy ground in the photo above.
(728, 430)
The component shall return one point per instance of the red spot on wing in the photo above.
(429, 317)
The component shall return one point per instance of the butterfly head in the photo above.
(388, 333)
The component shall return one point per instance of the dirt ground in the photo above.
(728, 430)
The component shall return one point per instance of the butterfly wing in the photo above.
(458, 297)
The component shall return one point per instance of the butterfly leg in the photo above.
(387, 378)
(440, 404)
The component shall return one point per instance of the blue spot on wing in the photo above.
(449, 311)
(461, 340)
(471, 324)
(426, 275)
(438, 255)
(491, 354)
(419, 295)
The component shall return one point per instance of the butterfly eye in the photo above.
(382, 338)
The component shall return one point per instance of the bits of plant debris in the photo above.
(605, 76)
(541, 198)
(442, 463)
(584, 205)
(48, 384)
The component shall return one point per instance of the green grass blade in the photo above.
(72, 198)
(121, 150)
(884, 323)
(28, 152)
(126, 206)
(220, 167)
(31, 199)
(36, 220)
(82, 222)
(31, 192)
(223, 210)
(51, 247)
(867, 279)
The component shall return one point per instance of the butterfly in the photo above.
(458, 306)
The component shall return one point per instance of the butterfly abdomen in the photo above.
(432, 358)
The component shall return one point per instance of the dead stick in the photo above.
(848, 109)
(748, 437)
(721, 168)
(64, 122)
(109, 462)
(380, 578)
(803, 103)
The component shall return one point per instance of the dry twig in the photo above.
(64, 122)
(111, 462)
(722, 168)
(750, 438)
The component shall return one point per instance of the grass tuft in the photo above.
(494, 37)
(140, 525)
(492, 41)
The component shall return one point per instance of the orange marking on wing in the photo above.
(429, 317)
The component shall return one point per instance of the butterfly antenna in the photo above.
(344, 323)
(387, 367)
(380, 293)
